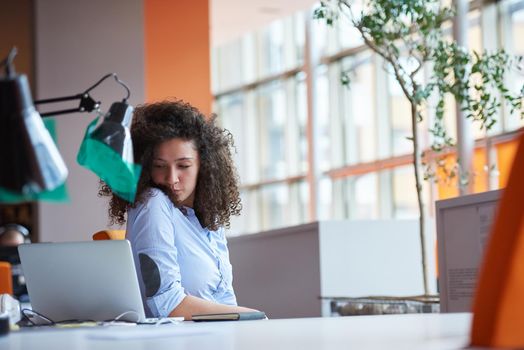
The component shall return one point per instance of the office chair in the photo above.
(6, 279)
(109, 234)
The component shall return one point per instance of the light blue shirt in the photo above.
(175, 256)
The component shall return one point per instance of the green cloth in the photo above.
(120, 175)
(58, 195)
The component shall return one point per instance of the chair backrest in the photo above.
(109, 234)
(6, 278)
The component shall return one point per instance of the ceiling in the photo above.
(232, 18)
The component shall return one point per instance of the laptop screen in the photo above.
(82, 280)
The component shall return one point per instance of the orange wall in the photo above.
(505, 154)
(177, 51)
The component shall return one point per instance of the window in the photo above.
(357, 116)
(363, 166)
(405, 200)
(512, 21)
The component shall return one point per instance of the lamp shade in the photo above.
(107, 150)
(114, 130)
(29, 159)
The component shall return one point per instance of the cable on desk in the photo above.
(117, 319)
(28, 314)
(35, 313)
(165, 320)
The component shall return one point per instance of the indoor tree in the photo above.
(410, 36)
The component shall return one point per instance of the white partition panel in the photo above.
(289, 272)
(363, 258)
(278, 272)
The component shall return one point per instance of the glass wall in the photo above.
(357, 161)
(512, 32)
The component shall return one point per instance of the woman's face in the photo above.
(175, 166)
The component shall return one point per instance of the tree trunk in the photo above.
(416, 166)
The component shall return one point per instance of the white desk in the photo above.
(403, 332)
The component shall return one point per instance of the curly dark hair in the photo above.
(216, 194)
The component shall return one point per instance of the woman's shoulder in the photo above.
(155, 207)
(154, 198)
(219, 233)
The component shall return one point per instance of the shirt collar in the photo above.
(187, 211)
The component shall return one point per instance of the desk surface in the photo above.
(414, 331)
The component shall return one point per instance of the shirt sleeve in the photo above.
(228, 296)
(154, 237)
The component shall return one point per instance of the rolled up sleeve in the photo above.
(154, 244)
(163, 303)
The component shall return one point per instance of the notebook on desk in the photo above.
(82, 280)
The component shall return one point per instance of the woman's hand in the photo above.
(191, 305)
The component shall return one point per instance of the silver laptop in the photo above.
(82, 281)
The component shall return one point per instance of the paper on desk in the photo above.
(143, 332)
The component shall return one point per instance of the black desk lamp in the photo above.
(29, 160)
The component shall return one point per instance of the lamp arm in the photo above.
(117, 80)
(87, 104)
(58, 99)
(62, 111)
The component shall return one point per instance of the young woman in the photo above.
(186, 194)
